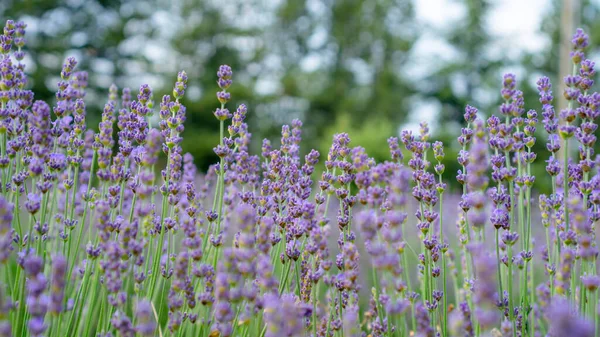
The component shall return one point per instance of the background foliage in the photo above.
(334, 64)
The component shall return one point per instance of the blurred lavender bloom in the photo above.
(564, 323)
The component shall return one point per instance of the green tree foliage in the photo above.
(90, 30)
(329, 63)
(472, 69)
(314, 60)
(360, 48)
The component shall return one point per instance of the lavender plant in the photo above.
(97, 239)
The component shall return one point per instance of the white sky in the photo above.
(514, 20)
(513, 24)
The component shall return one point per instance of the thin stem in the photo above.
(285, 277)
(510, 291)
(222, 186)
(499, 264)
(83, 218)
(341, 312)
(314, 312)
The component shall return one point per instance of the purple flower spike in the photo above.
(145, 323)
(33, 203)
(180, 85)
(6, 232)
(564, 323)
(509, 82)
(283, 315)
(580, 39)
(224, 75)
(470, 114)
(68, 68)
(59, 271)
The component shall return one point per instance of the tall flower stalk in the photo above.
(261, 256)
(438, 152)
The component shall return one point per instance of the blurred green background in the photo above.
(367, 67)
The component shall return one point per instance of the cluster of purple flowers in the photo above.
(97, 240)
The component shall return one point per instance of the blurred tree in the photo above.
(463, 80)
(313, 60)
(548, 61)
(92, 31)
(335, 64)
(134, 42)
(581, 13)
(469, 75)
(345, 59)
(205, 35)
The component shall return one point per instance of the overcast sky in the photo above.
(517, 21)
(513, 24)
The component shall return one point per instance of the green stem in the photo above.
(85, 209)
(222, 187)
(510, 291)
(501, 291)
(84, 287)
(595, 311)
(161, 240)
(285, 277)
(341, 312)
(444, 281)
(87, 328)
(314, 312)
